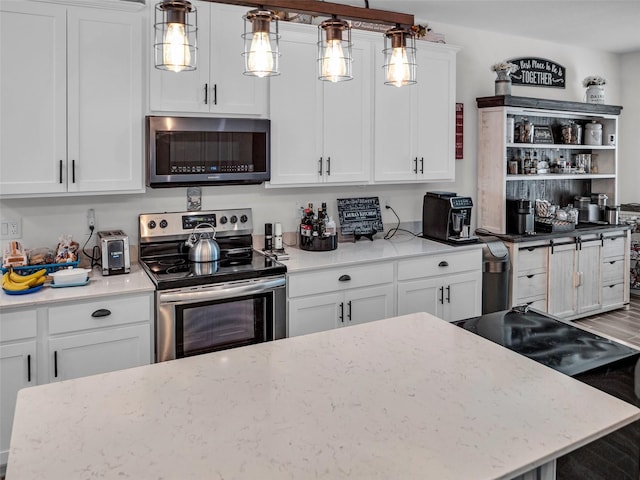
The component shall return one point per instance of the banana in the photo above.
(33, 280)
(7, 284)
(16, 278)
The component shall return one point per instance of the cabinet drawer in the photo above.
(324, 281)
(612, 294)
(18, 325)
(613, 271)
(532, 285)
(442, 264)
(613, 247)
(532, 260)
(78, 316)
(539, 304)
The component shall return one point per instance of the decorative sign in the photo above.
(360, 216)
(459, 130)
(542, 134)
(538, 72)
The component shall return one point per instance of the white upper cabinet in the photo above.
(415, 125)
(217, 85)
(320, 131)
(70, 88)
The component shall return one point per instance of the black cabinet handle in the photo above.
(421, 164)
(60, 171)
(73, 171)
(328, 166)
(530, 276)
(349, 314)
(602, 239)
(29, 368)
(344, 278)
(55, 364)
(101, 312)
(442, 295)
(341, 316)
(578, 243)
(215, 93)
(320, 166)
(612, 262)
(531, 249)
(415, 165)
(448, 293)
(206, 93)
(443, 264)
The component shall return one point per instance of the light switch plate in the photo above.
(10, 229)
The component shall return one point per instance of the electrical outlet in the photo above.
(91, 218)
(385, 202)
(10, 229)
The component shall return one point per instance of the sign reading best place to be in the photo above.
(538, 72)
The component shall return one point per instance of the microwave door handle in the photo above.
(222, 291)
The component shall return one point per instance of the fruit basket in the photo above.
(50, 267)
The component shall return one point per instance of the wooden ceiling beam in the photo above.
(315, 7)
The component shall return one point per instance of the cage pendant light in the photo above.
(334, 51)
(261, 43)
(399, 57)
(175, 43)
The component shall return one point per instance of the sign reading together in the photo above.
(538, 72)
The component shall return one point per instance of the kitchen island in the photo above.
(406, 397)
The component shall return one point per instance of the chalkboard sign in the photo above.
(360, 216)
(542, 134)
(538, 72)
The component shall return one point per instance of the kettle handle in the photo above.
(192, 240)
(213, 233)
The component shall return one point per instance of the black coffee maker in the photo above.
(447, 217)
(519, 216)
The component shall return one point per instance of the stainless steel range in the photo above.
(201, 307)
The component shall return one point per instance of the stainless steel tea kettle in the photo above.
(203, 247)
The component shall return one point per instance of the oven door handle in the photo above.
(222, 291)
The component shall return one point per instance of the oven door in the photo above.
(192, 321)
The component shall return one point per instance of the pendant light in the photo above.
(334, 51)
(261, 47)
(399, 58)
(176, 24)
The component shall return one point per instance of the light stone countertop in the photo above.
(134, 282)
(402, 398)
(364, 250)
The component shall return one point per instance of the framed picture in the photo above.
(542, 134)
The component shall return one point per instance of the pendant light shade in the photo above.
(399, 57)
(261, 43)
(334, 51)
(175, 25)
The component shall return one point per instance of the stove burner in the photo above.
(171, 262)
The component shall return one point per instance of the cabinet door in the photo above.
(425, 295)
(562, 280)
(368, 304)
(105, 109)
(33, 82)
(296, 109)
(187, 91)
(17, 370)
(100, 351)
(463, 296)
(589, 277)
(315, 314)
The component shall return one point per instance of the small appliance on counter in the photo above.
(446, 217)
(520, 219)
(114, 248)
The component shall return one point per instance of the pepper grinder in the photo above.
(277, 237)
(268, 237)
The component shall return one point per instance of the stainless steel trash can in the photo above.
(495, 275)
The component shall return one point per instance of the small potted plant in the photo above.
(503, 81)
(595, 88)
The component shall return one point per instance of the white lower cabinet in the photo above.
(337, 297)
(69, 340)
(448, 286)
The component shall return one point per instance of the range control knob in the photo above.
(233, 219)
(151, 224)
(243, 219)
(223, 220)
(163, 224)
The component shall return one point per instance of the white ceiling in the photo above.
(607, 25)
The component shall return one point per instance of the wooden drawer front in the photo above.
(443, 264)
(18, 325)
(533, 285)
(532, 260)
(613, 247)
(613, 272)
(324, 281)
(613, 294)
(78, 316)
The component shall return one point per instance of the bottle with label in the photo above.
(527, 163)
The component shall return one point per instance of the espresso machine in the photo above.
(446, 217)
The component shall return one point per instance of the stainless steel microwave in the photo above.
(184, 151)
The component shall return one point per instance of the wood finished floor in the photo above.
(620, 324)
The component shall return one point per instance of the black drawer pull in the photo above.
(443, 264)
(344, 278)
(101, 312)
(29, 368)
(531, 249)
(55, 364)
(530, 276)
(342, 312)
(612, 262)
